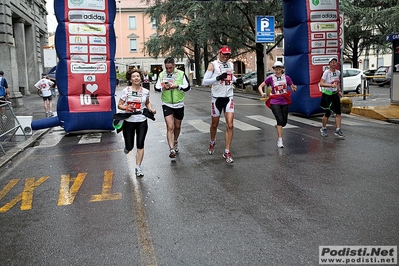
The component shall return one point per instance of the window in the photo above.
(154, 23)
(133, 45)
(281, 44)
(280, 58)
(132, 23)
(366, 64)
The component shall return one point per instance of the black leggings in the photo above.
(280, 113)
(129, 131)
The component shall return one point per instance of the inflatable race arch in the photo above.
(86, 78)
(312, 35)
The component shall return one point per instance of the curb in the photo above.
(11, 154)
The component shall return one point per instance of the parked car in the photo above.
(51, 73)
(244, 78)
(249, 75)
(385, 75)
(51, 76)
(254, 80)
(352, 79)
(368, 73)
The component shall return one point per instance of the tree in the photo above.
(367, 22)
(202, 27)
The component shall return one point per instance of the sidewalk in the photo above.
(33, 106)
(372, 107)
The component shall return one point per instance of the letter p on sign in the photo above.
(264, 24)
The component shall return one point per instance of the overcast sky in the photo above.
(51, 20)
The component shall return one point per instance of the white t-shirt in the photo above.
(331, 77)
(139, 99)
(45, 86)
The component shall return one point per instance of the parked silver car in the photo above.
(254, 81)
(385, 75)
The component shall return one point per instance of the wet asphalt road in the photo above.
(65, 202)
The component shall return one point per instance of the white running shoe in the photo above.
(323, 132)
(211, 149)
(172, 154)
(280, 143)
(176, 147)
(227, 157)
(139, 172)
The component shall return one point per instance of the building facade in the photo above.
(133, 28)
(23, 33)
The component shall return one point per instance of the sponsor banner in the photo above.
(326, 5)
(333, 51)
(352, 255)
(86, 16)
(318, 51)
(78, 49)
(318, 44)
(87, 4)
(97, 40)
(79, 58)
(332, 43)
(97, 58)
(332, 35)
(89, 78)
(323, 25)
(80, 68)
(98, 49)
(318, 36)
(323, 15)
(87, 29)
(89, 87)
(78, 40)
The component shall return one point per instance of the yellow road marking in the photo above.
(107, 189)
(26, 196)
(147, 252)
(67, 195)
(8, 187)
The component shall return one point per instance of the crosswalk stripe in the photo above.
(53, 138)
(90, 138)
(241, 125)
(269, 121)
(201, 125)
(344, 122)
(304, 121)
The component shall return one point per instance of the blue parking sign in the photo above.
(264, 29)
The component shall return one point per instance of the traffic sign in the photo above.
(264, 29)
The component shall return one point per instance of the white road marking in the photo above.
(268, 121)
(241, 125)
(90, 138)
(201, 125)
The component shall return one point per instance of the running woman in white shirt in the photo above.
(220, 75)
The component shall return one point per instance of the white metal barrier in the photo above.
(9, 123)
